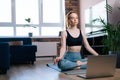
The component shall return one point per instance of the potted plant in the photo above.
(29, 24)
(112, 41)
(113, 32)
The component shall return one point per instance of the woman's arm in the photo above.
(86, 44)
(63, 44)
(63, 47)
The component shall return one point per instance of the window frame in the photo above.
(90, 24)
(40, 14)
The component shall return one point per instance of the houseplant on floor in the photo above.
(112, 41)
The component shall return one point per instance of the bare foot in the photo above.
(81, 63)
(77, 68)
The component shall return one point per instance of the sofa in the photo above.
(4, 57)
(16, 50)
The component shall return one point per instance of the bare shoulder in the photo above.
(83, 32)
(64, 33)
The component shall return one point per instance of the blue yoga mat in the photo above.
(69, 72)
(54, 66)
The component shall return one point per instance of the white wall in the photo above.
(114, 17)
(46, 48)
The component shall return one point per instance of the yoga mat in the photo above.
(69, 72)
(75, 72)
(54, 66)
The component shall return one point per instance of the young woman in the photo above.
(71, 42)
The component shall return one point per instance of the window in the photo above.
(53, 17)
(46, 15)
(5, 14)
(26, 9)
(94, 12)
(6, 31)
(50, 31)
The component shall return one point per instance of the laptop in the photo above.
(100, 66)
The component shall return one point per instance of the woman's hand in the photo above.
(57, 59)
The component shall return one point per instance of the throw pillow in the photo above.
(16, 43)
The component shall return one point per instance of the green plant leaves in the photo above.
(28, 20)
(112, 41)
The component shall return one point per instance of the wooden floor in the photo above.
(39, 71)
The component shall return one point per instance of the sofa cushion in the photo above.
(26, 40)
(16, 43)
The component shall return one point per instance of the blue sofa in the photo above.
(18, 54)
(4, 57)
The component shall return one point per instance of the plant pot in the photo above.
(30, 34)
(118, 57)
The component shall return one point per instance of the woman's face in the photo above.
(73, 19)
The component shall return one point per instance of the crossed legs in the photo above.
(65, 64)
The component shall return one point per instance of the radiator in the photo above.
(45, 49)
